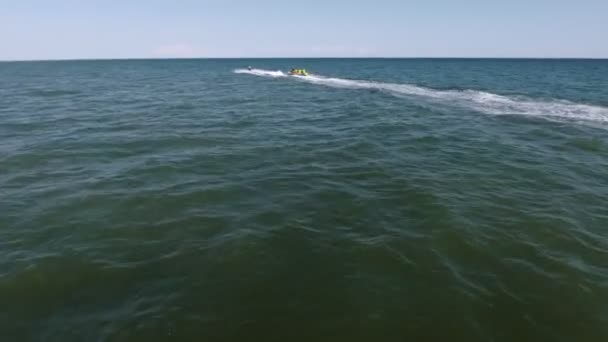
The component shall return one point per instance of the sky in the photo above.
(71, 29)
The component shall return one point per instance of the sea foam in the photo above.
(480, 101)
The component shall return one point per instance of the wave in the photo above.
(261, 72)
(481, 101)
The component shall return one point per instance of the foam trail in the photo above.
(481, 101)
(261, 72)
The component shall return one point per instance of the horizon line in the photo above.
(325, 57)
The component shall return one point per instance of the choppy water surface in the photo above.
(376, 200)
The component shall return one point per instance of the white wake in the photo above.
(261, 72)
(477, 100)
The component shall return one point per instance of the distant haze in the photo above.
(70, 29)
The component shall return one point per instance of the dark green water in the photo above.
(378, 200)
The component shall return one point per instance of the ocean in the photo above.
(374, 200)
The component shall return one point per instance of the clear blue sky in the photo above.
(65, 29)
